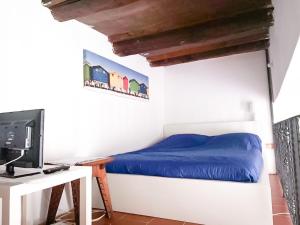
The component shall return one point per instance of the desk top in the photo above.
(74, 172)
(84, 161)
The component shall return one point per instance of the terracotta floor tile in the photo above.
(277, 195)
(158, 221)
(119, 218)
(275, 181)
(277, 191)
(97, 214)
(280, 208)
(106, 221)
(274, 178)
(130, 222)
(282, 220)
(119, 222)
(186, 223)
(114, 220)
(138, 218)
(279, 204)
(278, 201)
(118, 214)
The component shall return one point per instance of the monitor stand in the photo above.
(11, 173)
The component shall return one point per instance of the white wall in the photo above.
(224, 89)
(41, 67)
(284, 36)
(285, 59)
(287, 104)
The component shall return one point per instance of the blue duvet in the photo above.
(229, 157)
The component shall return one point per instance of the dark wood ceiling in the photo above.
(169, 32)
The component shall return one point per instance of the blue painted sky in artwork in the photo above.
(94, 59)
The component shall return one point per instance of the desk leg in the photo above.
(85, 200)
(11, 209)
(104, 191)
(76, 199)
(56, 194)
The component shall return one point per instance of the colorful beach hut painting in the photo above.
(102, 73)
(125, 84)
(100, 76)
(86, 73)
(134, 87)
(143, 89)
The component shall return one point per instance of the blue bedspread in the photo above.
(229, 157)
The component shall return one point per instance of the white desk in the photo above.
(12, 191)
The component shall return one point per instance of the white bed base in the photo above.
(197, 201)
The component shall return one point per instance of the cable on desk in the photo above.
(22, 154)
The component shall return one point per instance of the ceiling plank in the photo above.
(199, 33)
(146, 17)
(168, 15)
(64, 10)
(250, 47)
(232, 40)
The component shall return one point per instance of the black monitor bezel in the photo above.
(36, 157)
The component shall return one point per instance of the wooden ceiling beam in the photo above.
(157, 16)
(196, 34)
(64, 10)
(243, 38)
(250, 47)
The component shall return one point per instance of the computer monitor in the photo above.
(21, 141)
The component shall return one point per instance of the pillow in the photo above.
(242, 141)
(182, 141)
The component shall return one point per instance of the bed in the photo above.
(203, 201)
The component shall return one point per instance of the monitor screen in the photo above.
(22, 130)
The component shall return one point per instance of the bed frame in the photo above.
(198, 201)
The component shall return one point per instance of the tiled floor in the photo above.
(130, 219)
(280, 209)
(280, 212)
(123, 219)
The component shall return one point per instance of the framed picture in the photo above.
(100, 72)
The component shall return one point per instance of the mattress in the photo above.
(228, 157)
